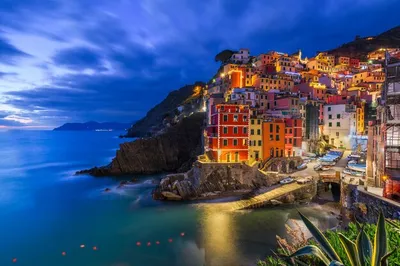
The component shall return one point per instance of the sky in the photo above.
(80, 60)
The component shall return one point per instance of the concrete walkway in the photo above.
(255, 201)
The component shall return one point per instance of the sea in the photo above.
(51, 217)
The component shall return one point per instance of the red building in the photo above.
(293, 136)
(228, 133)
(354, 62)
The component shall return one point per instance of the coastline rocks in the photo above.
(171, 196)
(212, 179)
(167, 152)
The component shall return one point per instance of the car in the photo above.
(286, 180)
(304, 180)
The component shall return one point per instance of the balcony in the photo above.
(393, 89)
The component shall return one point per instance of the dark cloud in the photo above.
(79, 58)
(8, 52)
(5, 74)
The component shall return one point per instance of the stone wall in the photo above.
(365, 206)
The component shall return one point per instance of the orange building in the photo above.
(273, 135)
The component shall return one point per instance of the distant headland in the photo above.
(94, 126)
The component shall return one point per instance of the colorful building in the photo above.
(255, 139)
(228, 133)
(293, 137)
(273, 138)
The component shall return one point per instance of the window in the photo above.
(244, 142)
(277, 129)
(252, 132)
(252, 121)
(271, 137)
(330, 117)
(225, 142)
(225, 118)
(330, 124)
(259, 143)
(235, 130)
(337, 134)
(290, 141)
(277, 138)
(294, 142)
(271, 128)
(286, 141)
(258, 122)
(235, 142)
(245, 118)
(245, 130)
(338, 124)
(222, 108)
(235, 118)
(225, 130)
(329, 109)
(338, 116)
(258, 131)
(290, 131)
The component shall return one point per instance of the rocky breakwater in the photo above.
(173, 151)
(208, 180)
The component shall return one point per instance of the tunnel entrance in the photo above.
(329, 191)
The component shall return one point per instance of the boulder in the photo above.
(171, 196)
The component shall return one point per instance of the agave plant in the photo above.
(359, 253)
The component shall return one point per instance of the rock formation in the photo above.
(174, 150)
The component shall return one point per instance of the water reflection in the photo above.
(219, 238)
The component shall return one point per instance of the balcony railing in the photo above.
(393, 88)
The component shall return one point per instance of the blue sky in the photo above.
(79, 60)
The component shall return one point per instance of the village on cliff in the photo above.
(278, 118)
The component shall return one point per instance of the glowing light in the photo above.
(14, 260)
(148, 244)
(82, 246)
(384, 178)
(204, 108)
(63, 253)
(157, 242)
(222, 75)
(182, 234)
(170, 240)
(138, 244)
(94, 248)
(370, 61)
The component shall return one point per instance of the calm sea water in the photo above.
(46, 210)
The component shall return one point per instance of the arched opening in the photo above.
(274, 168)
(328, 191)
(283, 167)
(292, 165)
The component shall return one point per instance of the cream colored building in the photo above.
(255, 140)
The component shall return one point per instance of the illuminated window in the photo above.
(235, 118)
(245, 118)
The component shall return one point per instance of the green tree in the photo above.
(224, 56)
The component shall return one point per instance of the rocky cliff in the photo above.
(182, 101)
(173, 151)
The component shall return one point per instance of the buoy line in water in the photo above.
(95, 248)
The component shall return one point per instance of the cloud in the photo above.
(79, 58)
(8, 52)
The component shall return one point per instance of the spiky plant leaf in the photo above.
(364, 247)
(380, 241)
(311, 250)
(384, 258)
(351, 250)
(335, 263)
(320, 238)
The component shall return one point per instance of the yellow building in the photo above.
(360, 118)
(255, 140)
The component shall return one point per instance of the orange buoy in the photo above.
(157, 242)
(94, 248)
(138, 243)
(170, 240)
(63, 253)
(14, 260)
(182, 234)
(82, 246)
